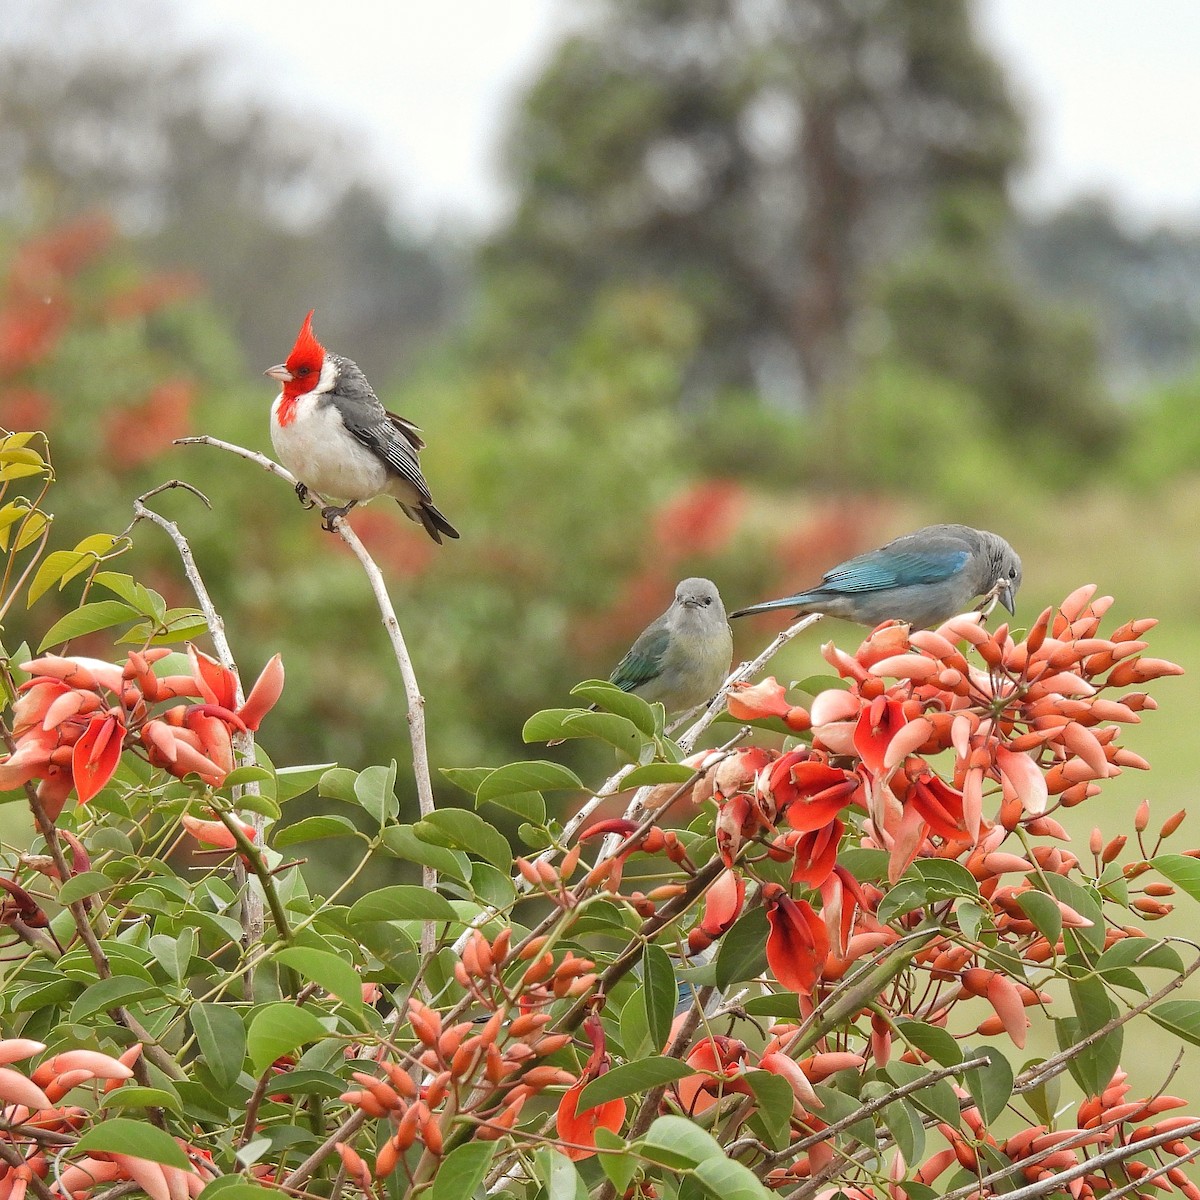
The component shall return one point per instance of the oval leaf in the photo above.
(120, 1135)
(403, 902)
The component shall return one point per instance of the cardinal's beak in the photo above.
(280, 372)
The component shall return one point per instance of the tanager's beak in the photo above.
(280, 372)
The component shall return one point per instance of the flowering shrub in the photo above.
(802, 962)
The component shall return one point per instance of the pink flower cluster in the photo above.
(76, 715)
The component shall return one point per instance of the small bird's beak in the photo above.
(1004, 594)
(280, 372)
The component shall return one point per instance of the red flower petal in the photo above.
(798, 944)
(216, 684)
(580, 1127)
(877, 725)
(95, 756)
(750, 702)
(267, 689)
(723, 903)
(816, 854)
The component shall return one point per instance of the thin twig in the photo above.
(253, 917)
(745, 672)
(412, 691)
(12, 1156)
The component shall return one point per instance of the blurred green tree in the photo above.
(104, 105)
(767, 158)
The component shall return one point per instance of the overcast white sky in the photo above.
(1112, 87)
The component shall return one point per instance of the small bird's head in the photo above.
(1006, 573)
(700, 596)
(305, 369)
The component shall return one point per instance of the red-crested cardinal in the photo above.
(331, 432)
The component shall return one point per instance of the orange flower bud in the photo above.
(551, 1042)
(400, 1079)
(387, 1158)
(431, 1135)
(532, 949)
(426, 1022)
(1114, 848)
(546, 1076)
(435, 1090)
(1172, 823)
(539, 971)
(975, 980)
(406, 1129)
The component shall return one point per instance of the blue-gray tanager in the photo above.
(922, 578)
(681, 658)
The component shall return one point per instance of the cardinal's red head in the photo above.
(302, 371)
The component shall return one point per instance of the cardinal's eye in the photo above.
(303, 370)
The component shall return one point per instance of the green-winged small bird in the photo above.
(922, 578)
(681, 658)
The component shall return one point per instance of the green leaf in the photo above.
(462, 1171)
(932, 1040)
(374, 791)
(619, 732)
(131, 1096)
(613, 699)
(401, 841)
(1142, 953)
(221, 1036)
(467, 778)
(783, 1005)
(336, 975)
(240, 776)
(60, 567)
(1182, 871)
(631, 1078)
(34, 524)
(620, 1168)
(660, 993)
(742, 953)
(234, 1187)
(338, 783)
(459, 829)
(729, 1180)
(945, 879)
(558, 1176)
(520, 777)
(80, 886)
(401, 902)
(313, 829)
(148, 603)
(1084, 902)
(120, 1135)
(652, 774)
(677, 1142)
(1180, 1017)
(528, 806)
(990, 1086)
(774, 1096)
(174, 953)
(937, 1097)
(903, 1122)
(549, 724)
(1043, 912)
(279, 1029)
(108, 993)
(88, 618)
(291, 782)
